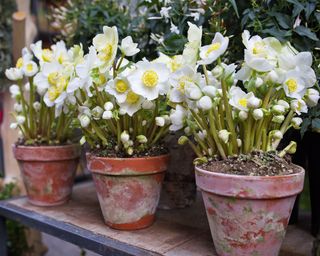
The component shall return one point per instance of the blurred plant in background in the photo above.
(7, 7)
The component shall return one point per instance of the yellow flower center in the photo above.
(132, 97)
(47, 55)
(243, 102)
(101, 80)
(292, 85)
(29, 67)
(106, 53)
(175, 64)
(182, 82)
(150, 78)
(121, 86)
(213, 47)
(19, 63)
(61, 59)
(61, 84)
(258, 48)
(53, 93)
(53, 78)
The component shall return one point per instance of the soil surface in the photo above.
(35, 143)
(257, 163)
(156, 150)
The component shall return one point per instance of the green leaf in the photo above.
(316, 123)
(304, 31)
(283, 20)
(235, 7)
(305, 126)
(309, 8)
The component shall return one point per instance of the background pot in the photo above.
(128, 189)
(48, 172)
(248, 215)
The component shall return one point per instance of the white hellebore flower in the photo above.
(224, 135)
(106, 45)
(177, 117)
(14, 74)
(160, 121)
(119, 88)
(210, 53)
(14, 90)
(296, 122)
(131, 104)
(149, 79)
(205, 103)
(257, 114)
(312, 97)
(239, 99)
(128, 47)
(293, 85)
(30, 69)
(191, 50)
(43, 55)
(299, 106)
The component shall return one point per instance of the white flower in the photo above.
(164, 12)
(36, 105)
(174, 29)
(217, 71)
(273, 77)
(30, 68)
(27, 87)
(160, 121)
(243, 115)
(106, 45)
(202, 134)
(108, 106)
(84, 120)
(210, 53)
(284, 104)
(205, 103)
(177, 117)
(97, 112)
(17, 107)
(195, 16)
(254, 102)
(14, 74)
(278, 119)
(128, 47)
(173, 63)
(312, 97)
(191, 50)
(239, 99)
(211, 91)
(119, 88)
(144, 122)
(293, 85)
(258, 82)
(124, 137)
(296, 122)
(257, 114)
(224, 135)
(13, 126)
(132, 104)
(107, 115)
(149, 79)
(14, 90)
(20, 119)
(278, 109)
(299, 106)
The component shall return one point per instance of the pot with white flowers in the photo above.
(124, 121)
(44, 115)
(234, 121)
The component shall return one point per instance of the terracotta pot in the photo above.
(128, 189)
(48, 172)
(248, 215)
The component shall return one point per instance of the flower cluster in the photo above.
(230, 110)
(44, 114)
(120, 102)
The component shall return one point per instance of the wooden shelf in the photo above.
(175, 233)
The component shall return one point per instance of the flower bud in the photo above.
(27, 87)
(183, 140)
(272, 76)
(144, 122)
(84, 121)
(147, 104)
(124, 137)
(278, 109)
(243, 115)
(312, 97)
(257, 114)
(211, 91)
(108, 106)
(14, 74)
(253, 102)
(14, 90)
(258, 82)
(187, 130)
(224, 135)
(122, 111)
(296, 122)
(36, 105)
(13, 126)
(202, 134)
(82, 140)
(167, 119)
(97, 112)
(239, 142)
(284, 104)
(277, 134)
(130, 151)
(205, 103)
(107, 115)
(142, 139)
(17, 107)
(278, 119)
(160, 121)
(217, 71)
(292, 147)
(20, 119)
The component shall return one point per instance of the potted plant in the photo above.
(44, 115)
(124, 121)
(234, 121)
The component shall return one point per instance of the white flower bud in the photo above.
(14, 90)
(257, 114)
(124, 137)
(82, 140)
(278, 119)
(13, 126)
(144, 122)
(278, 109)
(130, 142)
(147, 104)
(253, 102)
(272, 76)
(217, 71)
(239, 142)
(17, 107)
(312, 97)
(167, 119)
(243, 115)
(160, 121)
(284, 104)
(258, 82)
(205, 103)
(84, 121)
(27, 87)
(130, 130)
(14, 74)
(107, 115)
(122, 111)
(36, 105)
(142, 139)
(130, 151)
(211, 91)
(202, 134)
(97, 112)
(296, 122)
(277, 135)
(108, 106)
(20, 119)
(224, 135)
(187, 130)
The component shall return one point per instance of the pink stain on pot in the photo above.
(48, 172)
(128, 189)
(248, 215)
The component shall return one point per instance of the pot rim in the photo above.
(14, 145)
(128, 158)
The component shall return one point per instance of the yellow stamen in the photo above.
(101, 80)
(61, 59)
(47, 55)
(61, 84)
(19, 63)
(132, 97)
(106, 53)
(182, 82)
(175, 64)
(29, 67)
(243, 102)
(213, 47)
(121, 86)
(53, 78)
(258, 48)
(292, 85)
(150, 78)
(53, 93)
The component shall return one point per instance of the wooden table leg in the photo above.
(3, 237)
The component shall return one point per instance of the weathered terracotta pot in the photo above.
(48, 172)
(128, 189)
(248, 215)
